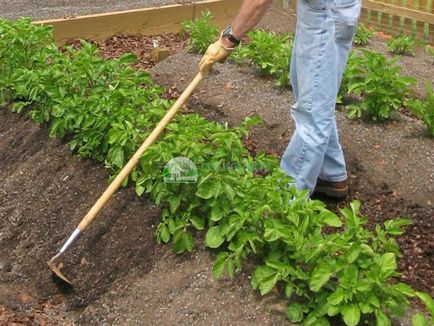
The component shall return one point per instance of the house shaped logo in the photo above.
(180, 170)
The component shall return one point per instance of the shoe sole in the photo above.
(332, 192)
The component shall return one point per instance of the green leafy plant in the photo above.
(270, 53)
(380, 84)
(363, 35)
(401, 45)
(345, 273)
(424, 108)
(201, 32)
(352, 75)
(243, 204)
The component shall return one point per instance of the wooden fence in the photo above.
(396, 17)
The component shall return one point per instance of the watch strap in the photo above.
(228, 33)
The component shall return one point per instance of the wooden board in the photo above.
(390, 9)
(147, 21)
(222, 11)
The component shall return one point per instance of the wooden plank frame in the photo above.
(147, 21)
(157, 20)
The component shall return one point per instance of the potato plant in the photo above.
(105, 109)
(270, 53)
(363, 35)
(201, 32)
(379, 82)
(402, 45)
(424, 108)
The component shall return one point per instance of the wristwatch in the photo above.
(228, 34)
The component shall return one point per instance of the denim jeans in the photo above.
(323, 39)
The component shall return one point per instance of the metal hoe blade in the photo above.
(56, 269)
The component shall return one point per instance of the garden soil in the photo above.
(121, 276)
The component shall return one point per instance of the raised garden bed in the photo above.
(123, 275)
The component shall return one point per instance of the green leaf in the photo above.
(332, 310)
(174, 202)
(355, 207)
(216, 213)
(171, 225)
(331, 219)
(188, 241)
(139, 190)
(382, 319)
(388, 264)
(261, 272)
(252, 121)
(230, 268)
(294, 313)
(404, 289)
(164, 233)
(219, 265)
(419, 320)
(394, 227)
(128, 58)
(320, 276)
(351, 314)
(427, 300)
(366, 249)
(373, 300)
(213, 238)
(205, 188)
(354, 252)
(229, 190)
(289, 287)
(337, 297)
(268, 283)
(365, 308)
(198, 223)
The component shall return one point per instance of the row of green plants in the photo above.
(242, 204)
(370, 77)
(401, 45)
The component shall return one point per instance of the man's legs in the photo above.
(345, 15)
(315, 77)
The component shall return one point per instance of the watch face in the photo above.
(228, 34)
(228, 31)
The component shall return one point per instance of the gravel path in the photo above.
(39, 10)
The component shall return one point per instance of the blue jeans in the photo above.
(323, 39)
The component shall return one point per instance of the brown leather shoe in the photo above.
(332, 189)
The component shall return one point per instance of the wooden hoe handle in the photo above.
(117, 182)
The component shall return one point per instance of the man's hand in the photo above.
(216, 52)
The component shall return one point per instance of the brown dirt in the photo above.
(121, 275)
(139, 45)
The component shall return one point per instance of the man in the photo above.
(323, 39)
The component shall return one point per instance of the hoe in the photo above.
(117, 182)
